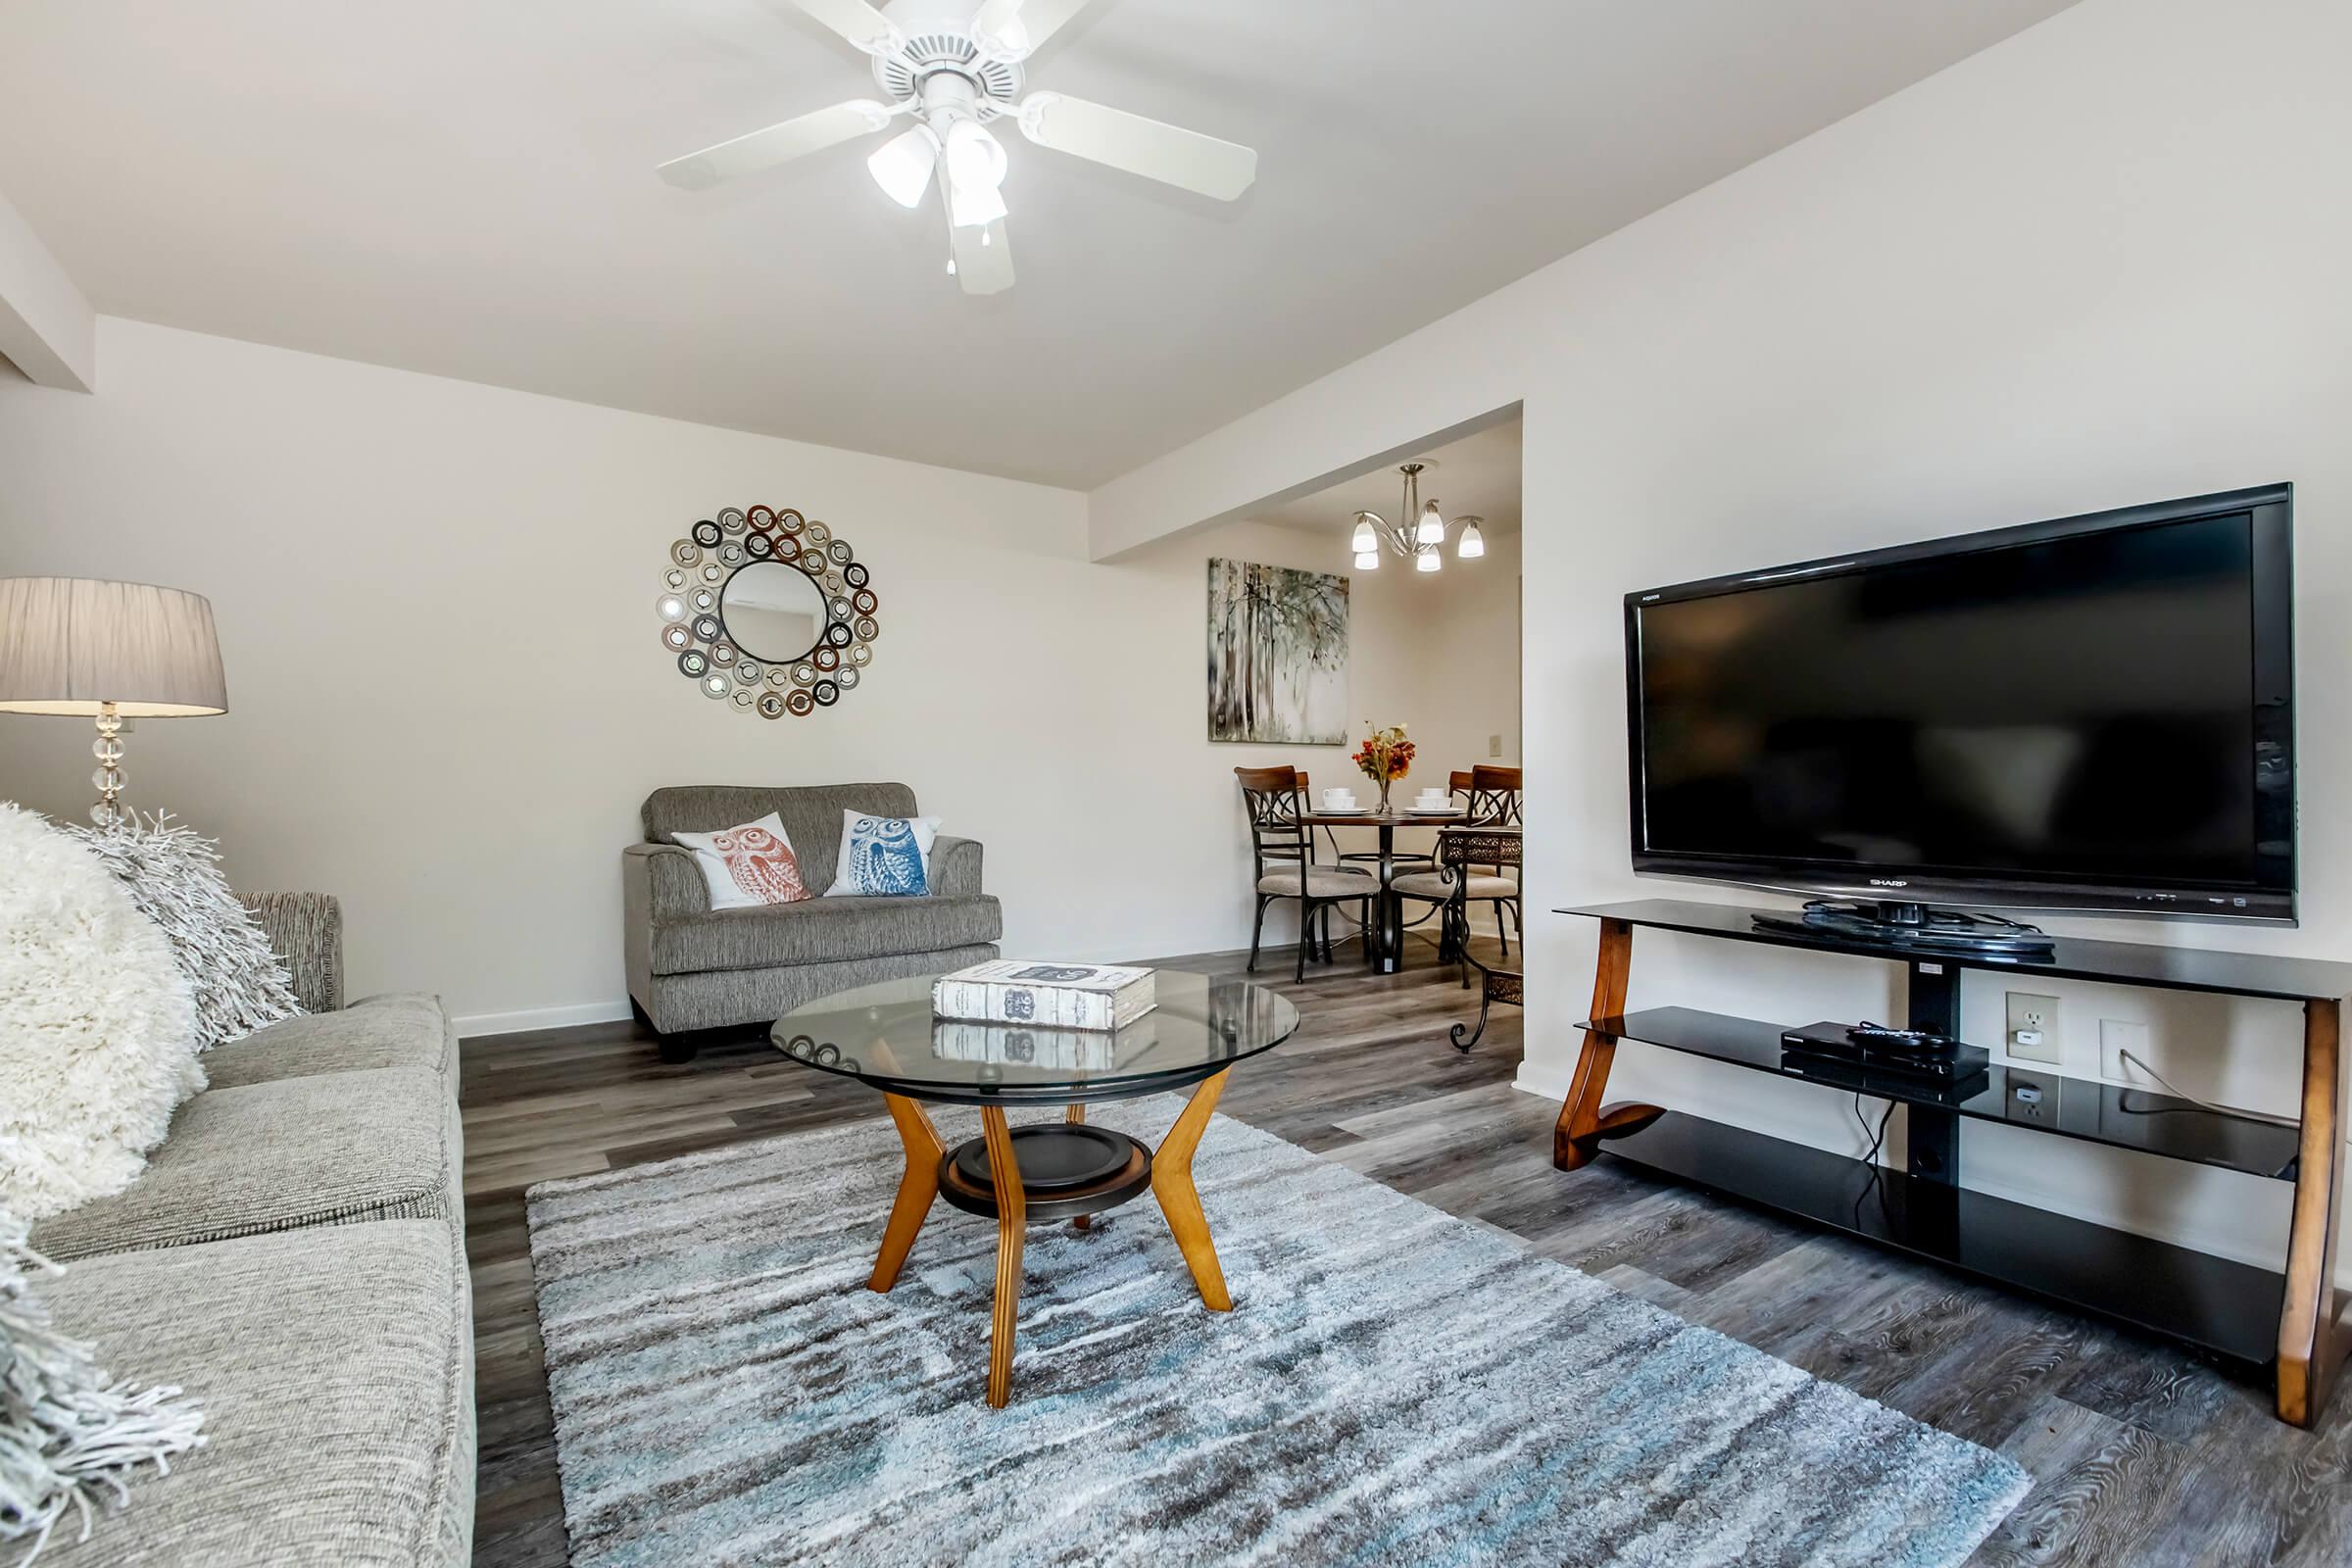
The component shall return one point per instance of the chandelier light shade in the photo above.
(902, 165)
(1419, 534)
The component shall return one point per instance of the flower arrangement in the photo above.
(1384, 757)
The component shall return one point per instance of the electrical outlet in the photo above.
(2117, 1036)
(2028, 1102)
(2031, 1016)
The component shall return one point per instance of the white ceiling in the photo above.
(1477, 476)
(466, 187)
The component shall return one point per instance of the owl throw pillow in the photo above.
(884, 854)
(748, 865)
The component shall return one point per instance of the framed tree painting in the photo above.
(1277, 655)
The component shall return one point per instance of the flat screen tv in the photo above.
(2091, 714)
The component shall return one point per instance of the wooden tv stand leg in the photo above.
(2311, 1344)
(1583, 1119)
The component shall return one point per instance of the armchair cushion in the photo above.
(822, 931)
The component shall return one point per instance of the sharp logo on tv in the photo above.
(1890, 882)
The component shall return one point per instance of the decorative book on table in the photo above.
(1008, 1044)
(1058, 995)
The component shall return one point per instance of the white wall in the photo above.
(2102, 263)
(437, 607)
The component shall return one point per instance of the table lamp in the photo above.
(111, 651)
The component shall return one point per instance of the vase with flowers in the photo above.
(1384, 757)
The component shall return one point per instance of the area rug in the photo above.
(1393, 1385)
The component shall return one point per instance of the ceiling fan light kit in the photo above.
(1424, 542)
(955, 82)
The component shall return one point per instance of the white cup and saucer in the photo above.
(1340, 803)
(1433, 801)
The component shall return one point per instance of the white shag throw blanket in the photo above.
(69, 1439)
(172, 874)
(97, 1024)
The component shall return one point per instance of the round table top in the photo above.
(1395, 817)
(885, 1034)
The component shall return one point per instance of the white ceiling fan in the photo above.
(954, 79)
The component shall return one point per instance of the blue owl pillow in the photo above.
(882, 856)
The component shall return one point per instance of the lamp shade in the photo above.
(69, 645)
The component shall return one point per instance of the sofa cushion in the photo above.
(328, 1149)
(811, 815)
(334, 1371)
(823, 931)
(400, 1030)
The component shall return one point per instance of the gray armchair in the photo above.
(694, 969)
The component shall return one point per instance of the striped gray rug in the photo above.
(1393, 1385)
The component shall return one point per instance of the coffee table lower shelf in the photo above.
(2225, 1307)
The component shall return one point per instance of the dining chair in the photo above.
(1495, 801)
(1282, 850)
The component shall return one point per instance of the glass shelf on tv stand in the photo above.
(2071, 1107)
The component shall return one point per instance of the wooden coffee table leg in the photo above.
(1012, 1223)
(916, 1188)
(1180, 1202)
(1077, 1113)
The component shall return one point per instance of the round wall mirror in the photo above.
(774, 612)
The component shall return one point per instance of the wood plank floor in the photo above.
(2143, 1454)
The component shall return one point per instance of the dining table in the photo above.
(1384, 939)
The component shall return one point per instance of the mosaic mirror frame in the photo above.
(694, 631)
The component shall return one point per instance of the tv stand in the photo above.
(2257, 1319)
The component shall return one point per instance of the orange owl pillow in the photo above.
(749, 865)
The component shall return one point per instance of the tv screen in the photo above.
(2094, 713)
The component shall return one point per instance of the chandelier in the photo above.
(1420, 534)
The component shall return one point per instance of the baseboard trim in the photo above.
(528, 1019)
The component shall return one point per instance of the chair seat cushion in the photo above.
(823, 931)
(324, 1150)
(387, 1031)
(333, 1371)
(1322, 882)
(1440, 885)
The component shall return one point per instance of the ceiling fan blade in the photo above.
(1014, 29)
(777, 144)
(869, 29)
(1150, 148)
(983, 267)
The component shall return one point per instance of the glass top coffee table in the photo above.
(885, 1036)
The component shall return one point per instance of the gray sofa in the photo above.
(693, 969)
(294, 1256)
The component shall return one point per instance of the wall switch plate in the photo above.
(2117, 1036)
(2034, 1015)
(1494, 746)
